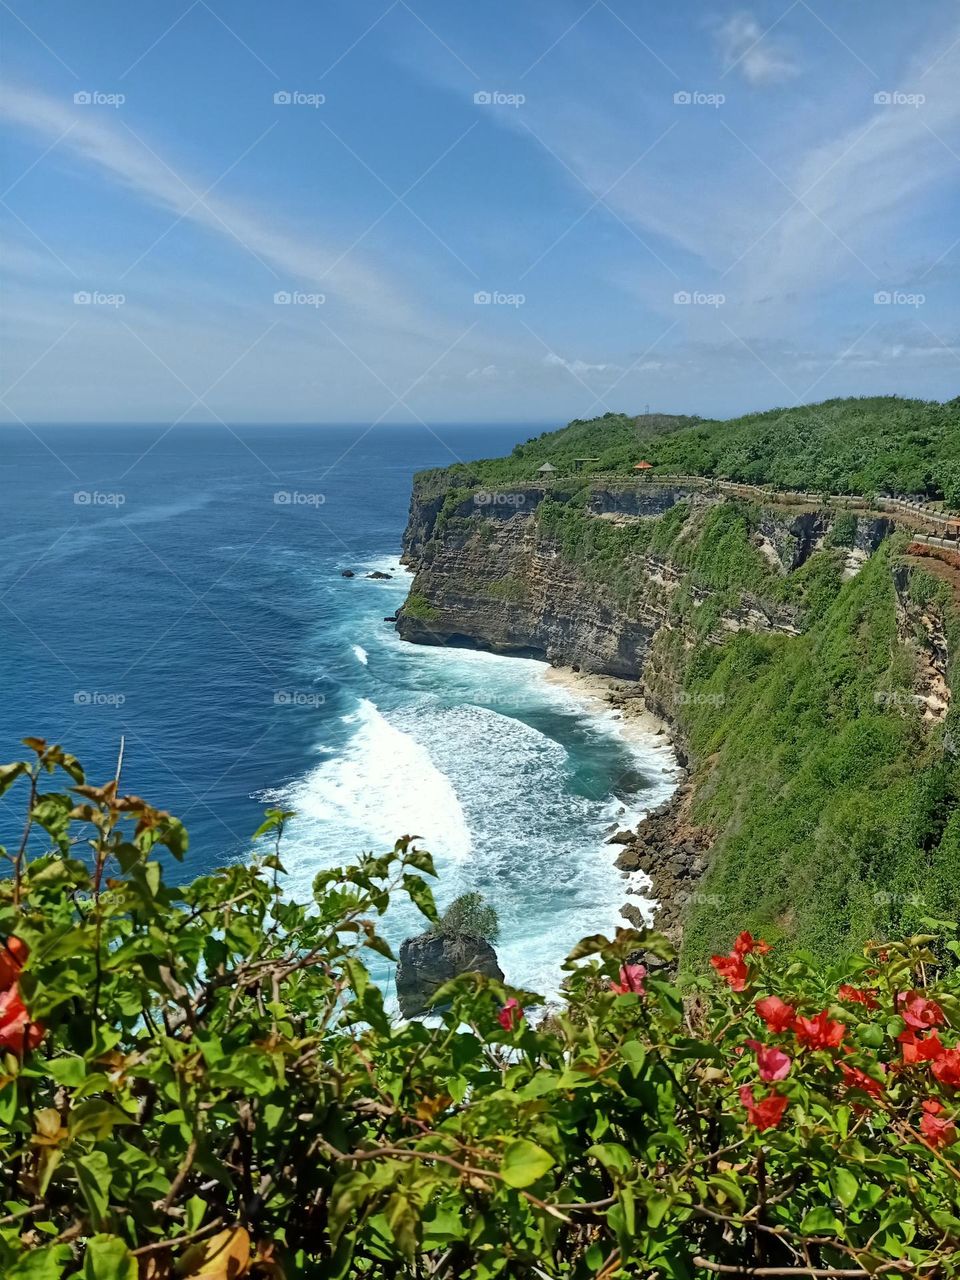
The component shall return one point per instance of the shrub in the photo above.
(470, 913)
(201, 1080)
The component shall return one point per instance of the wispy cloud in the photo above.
(133, 164)
(756, 53)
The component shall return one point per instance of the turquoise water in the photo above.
(210, 625)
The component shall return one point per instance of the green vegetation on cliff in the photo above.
(854, 445)
(835, 805)
(814, 706)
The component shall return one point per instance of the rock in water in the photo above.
(347, 573)
(378, 574)
(431, 959)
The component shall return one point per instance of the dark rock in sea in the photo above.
(347, 573)
(392, 618)
(377, 574)
(621, 837)
(431, 959)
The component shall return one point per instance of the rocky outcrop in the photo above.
(673, 853)
(922, 628)
(429, 960)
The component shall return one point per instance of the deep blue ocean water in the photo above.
(183, 588)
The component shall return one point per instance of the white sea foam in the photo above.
(360, 653)
(381, 786)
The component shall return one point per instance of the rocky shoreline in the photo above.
(666, 850)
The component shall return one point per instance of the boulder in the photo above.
(431, 959)
(378, 574)
(622, 837)
(347, 573)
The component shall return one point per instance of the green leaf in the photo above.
(657, 1207)
(524, 1162)
(819, 1221)
(96, 1117)
(422, 896)
(845, 1186)
(9, 773)
(41, 1264)
(93, 1175)
(403, 1222)
(108, 1258)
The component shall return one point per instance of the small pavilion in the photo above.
(546, 470)
(643, 469)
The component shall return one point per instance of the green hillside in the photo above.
(854, 445)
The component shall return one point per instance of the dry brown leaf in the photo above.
(225, 1256)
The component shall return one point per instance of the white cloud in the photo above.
(760, 58)
(579, 368)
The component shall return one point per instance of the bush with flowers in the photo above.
(200, 1080)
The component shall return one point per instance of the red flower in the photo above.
(631, 980)
(920, 1012)
(772, 1062)
(746, 943)
(732, 969)
(17, 1032)
(853, 995)
(768, 1112)
(13, 954)
(776, 1013)
(920, 1048)
(947, 1068)
(857, 1079)
(510, 1015)
(819, 1032)
(937, 1132)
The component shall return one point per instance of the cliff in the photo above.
(803, 662)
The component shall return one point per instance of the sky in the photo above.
(428, 211)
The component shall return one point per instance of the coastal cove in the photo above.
(257, 674)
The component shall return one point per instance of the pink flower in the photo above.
(732, 969)
(746, 943)
(917, 1011)
(854, 995)
(857, 1079)
(17, 1032)
(819, 1032)
(776, 1013)
(772, 1062)
(768, 1112)
(936, 1132)
(510, 1015)
(631, 980)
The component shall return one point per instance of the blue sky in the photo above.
(584, 165)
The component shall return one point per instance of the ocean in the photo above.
(183, 588)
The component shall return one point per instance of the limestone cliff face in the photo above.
(502, 585)
(489, 576)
